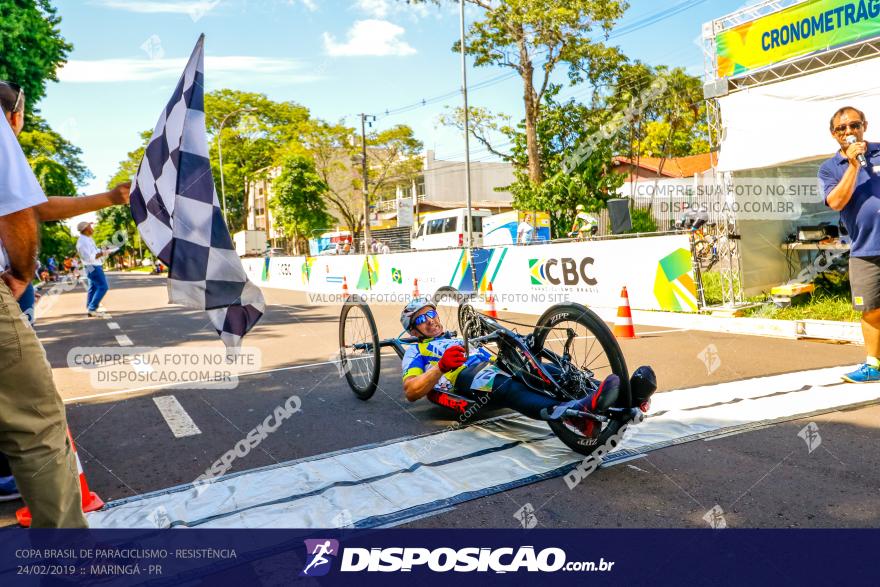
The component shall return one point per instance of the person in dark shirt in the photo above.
(851, 180)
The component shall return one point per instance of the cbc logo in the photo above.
(565, 271)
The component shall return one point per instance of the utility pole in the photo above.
(467, 149)
(366, 119)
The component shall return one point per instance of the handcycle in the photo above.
(566, 356)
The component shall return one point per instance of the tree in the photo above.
(31, 51)
(31, 46)
(517, 33)
(392, 155)
(257, 137)
(297, 203)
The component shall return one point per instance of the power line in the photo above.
(624, 29)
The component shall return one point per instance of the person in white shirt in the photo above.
(93, 261)
(33, 424)
(525, 232)
(385, 249)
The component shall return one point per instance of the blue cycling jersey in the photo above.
(427, 353)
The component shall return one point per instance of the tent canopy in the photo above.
(787, 122)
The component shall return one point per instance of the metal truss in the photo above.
(806, 65)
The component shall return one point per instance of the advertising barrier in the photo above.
(657, 271)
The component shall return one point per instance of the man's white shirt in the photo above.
(88, 250)
(19, 188)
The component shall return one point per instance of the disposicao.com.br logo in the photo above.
(441, 560)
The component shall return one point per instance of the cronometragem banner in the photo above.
(799, 30)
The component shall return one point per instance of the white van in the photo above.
(440, 230)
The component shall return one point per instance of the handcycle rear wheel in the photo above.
(597, 352)
(359, 352)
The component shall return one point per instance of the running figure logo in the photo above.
(317, 561)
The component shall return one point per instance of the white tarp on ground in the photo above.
(788, 121)
(408, 478)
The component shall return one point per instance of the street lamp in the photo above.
(220, 154)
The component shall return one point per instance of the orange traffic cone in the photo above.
(623, 326)
(344, 288)
(90, 500)
(492, 313)
(416, 287)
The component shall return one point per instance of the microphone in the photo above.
(862, 161)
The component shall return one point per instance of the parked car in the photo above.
(440, 230)
(275, 252)
(331, 249)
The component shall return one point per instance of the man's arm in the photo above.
(19, 231)
(839, 197)
(415, 388)
(59, 207)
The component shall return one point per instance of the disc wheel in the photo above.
(359, 348)
(595, 352)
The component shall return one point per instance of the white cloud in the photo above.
(383, 8)
(370, 37)
(142, 70)
(193, 8)
(374, 8)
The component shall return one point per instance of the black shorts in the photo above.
(864, 279)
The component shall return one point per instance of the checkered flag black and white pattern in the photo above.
(175, 206)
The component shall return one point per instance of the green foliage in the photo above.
(53, 176)
(297, 203)
(31, 46)
(56, 240)
(257, 134)
(38, 140)
(642, 220)
(512, 33)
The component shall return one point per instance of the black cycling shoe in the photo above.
(598, 401)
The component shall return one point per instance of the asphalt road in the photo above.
(765, 478)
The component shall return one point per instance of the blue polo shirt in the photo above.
(861, 215)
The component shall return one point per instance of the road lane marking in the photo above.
(123, 340)
(113, 326)
(176, 417)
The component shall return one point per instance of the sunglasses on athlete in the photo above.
(419, 320)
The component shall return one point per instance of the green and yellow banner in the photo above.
(799, 30)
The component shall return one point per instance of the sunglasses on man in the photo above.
(856, 125)
(19, 93)
(419, 320)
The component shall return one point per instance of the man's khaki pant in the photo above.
(33, 425)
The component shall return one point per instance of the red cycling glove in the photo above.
(452, 359)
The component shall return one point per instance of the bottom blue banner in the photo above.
(279, 557)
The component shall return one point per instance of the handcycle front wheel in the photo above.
(359, 352)
(593, 350)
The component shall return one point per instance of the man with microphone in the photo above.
(851, 180)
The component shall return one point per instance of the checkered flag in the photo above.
(175, 206)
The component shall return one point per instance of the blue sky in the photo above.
(336, 57)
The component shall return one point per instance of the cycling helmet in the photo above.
(412, 308)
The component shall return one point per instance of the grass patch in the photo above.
(830, 301)
(820, 307)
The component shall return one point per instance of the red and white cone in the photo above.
(415, 287)
(344, 288)
(90, 500)
(623, 326)
(492, 312)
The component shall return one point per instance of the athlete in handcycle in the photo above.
(541, 375)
